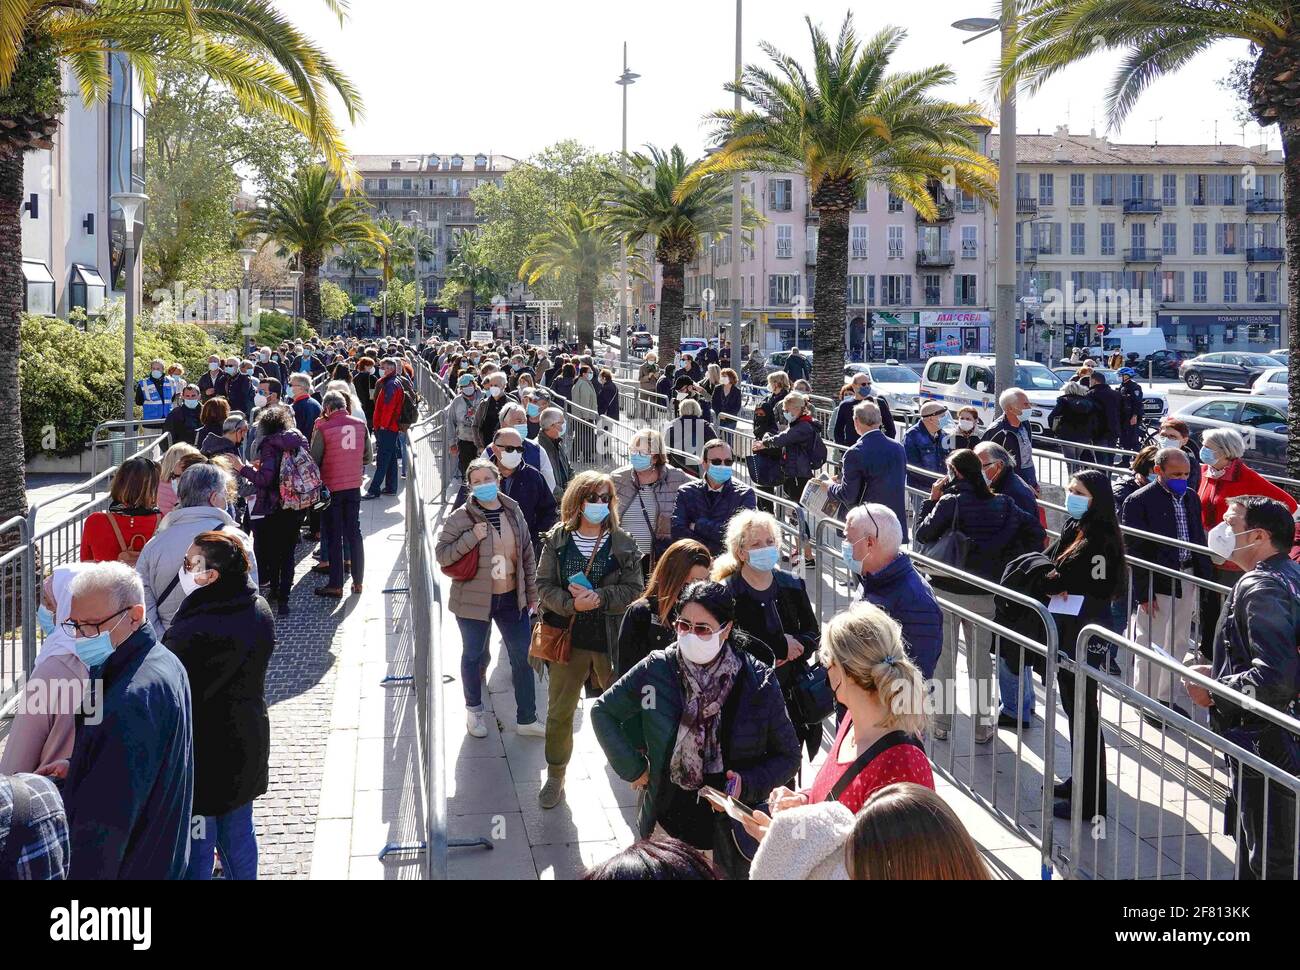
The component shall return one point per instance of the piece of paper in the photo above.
(1066, 605)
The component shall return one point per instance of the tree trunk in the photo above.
(13, 484)
(672, 312)
(466, 313)
(1291, 191)
(587, 314)
(829, 302)
(311, 264)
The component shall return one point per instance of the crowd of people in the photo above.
(670, 578)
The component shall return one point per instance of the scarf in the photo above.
(61, 583)
(698, 749)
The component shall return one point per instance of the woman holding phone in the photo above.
(718, 720)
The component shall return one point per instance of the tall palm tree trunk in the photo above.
(13, 486)
(829, 302)
(1290, 128)
(587, 313)
(672, 311)
(311, 264)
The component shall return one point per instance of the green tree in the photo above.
(334, 303)
(578, 246)
(473, 278)
(846, 123)
(355, 259)
(1158, 37)
(307, 221)
(246, 45)
(680, 208)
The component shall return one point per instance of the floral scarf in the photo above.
(698, 750)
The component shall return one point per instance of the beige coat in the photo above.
(472, 599)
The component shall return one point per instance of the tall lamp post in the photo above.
(736, 248)
(625, 81)
(246, 299)
(130, 204)
(296, 276)
(418, 220)
(1004, 333)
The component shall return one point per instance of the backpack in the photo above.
(300, 481)
(817, 450)
(127, 553)
(410, 405)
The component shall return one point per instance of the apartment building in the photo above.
(438, 188)
(1196, 228)
(73, 236)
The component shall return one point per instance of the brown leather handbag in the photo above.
(466, 567)
(554, 644)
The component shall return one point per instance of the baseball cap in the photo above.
(931, 408)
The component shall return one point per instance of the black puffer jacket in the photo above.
(999, 528)
(1075, 418)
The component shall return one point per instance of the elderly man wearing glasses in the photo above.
(706, 506)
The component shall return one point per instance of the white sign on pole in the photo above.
(482, 336)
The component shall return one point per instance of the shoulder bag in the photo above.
(952, 548)
(891, 740)
(555, 644)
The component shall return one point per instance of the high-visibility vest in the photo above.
(155, 407)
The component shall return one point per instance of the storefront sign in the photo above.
(955, 318)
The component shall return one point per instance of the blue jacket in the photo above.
(130, 785)
(1000, 530)
(703, 514)
(1151, 509)
(305, 414)
(846, 433)
(924, 451)
(875, 471)
(1013, 487)
(903, 593)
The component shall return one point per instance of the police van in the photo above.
(968, 381)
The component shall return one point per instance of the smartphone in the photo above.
(736, 809)
(580, 579)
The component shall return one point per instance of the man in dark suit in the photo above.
(1166, 606)
(1109, 405)
(875, 469)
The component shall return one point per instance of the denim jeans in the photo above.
(385, 478)
(341, 527)
(517, 632)
(233, 837)
(1009, 686)
(404, 446)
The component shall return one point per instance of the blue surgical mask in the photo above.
(156, 374)
(564, 429)
(534, 411)
(595, 512)
(45, 620)
(192, 404)
(93, 651)
(1077, 506)
(846, 552)
(720, 474)
(231, 371)
(522, 429)
(1176, 486)
(642, 463)
(765, 559)
(864, 390)
(487, 494)
(1208, 457)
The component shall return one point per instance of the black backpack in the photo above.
(410, 404)
(817, 450)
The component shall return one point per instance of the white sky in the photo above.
(512, 76)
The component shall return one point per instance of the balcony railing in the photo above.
(1140, 206)
(1026, 207)
(1262, 206)
(1148, 254)
(947, 212)
(1265, 254)
(938, 258)
(1027, 254)
(811, 214)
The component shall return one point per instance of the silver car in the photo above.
(1262, 421)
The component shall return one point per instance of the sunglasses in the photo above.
(717, 462)
(511, 450)
(603, 499)
(685, 627)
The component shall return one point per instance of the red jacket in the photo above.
(99, 541)
(343, 445)
(1238, 479)
(388, 408)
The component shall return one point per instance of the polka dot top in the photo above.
(902, 762)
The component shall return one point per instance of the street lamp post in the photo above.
(296, 276)
(736, 248)
(130, 204)
(625, 81)
(245, 298)
(1004, 333)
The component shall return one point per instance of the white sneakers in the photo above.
(474, 724)
(535, 730)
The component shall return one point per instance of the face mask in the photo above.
(188, 583)
(966, 425)
(1208, 456)
(846, 552)
(595, 512)
(156, 374)
(700, 650)
(276, 358)
(192, 404)
(497, 392)
(1177, 486)
(94, 650)
(726, 382)
(521, 430)
(214, 367)
(1077, 506)
(45, 620)
(534, 411)
(790, 418)
(1223, 541)
(720, 474)
(468, 390)
(265, 357)
(864, 390)
(682, 395)
(487, 494)
(231, 371)
(512, 461)
(564, 429)
(765, 559)
(642, 463)
(259, 400)
(1168, 443)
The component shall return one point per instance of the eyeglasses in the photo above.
(75, 629)
(511, 450)
(602, 498)
(685, 627)
(989, 464)
(717, 462)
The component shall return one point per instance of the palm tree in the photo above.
(1158, 37)
(356, 258)
(468, 268)
(678, 206)
(307, 221)
(580, 247)
(847, 124)
(246, 45)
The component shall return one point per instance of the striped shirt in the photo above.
(1180, 520)
(494, 516)
(640, 517)
(587, 545)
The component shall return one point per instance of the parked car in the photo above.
(1154, 404)
(1261, 420)
(967, 381)
(898, 384)
(1271, 383)
(1281, 356)
(642, 341)
(1163, 363)
(1226, 370)
(777, 361)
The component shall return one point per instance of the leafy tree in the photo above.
(845, 124)
(578, 246)
(475, 280)
(334, 303)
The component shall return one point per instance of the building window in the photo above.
(1078, 239)
(38, 286)
(86, 289)
(1046, 188)
(965, 293)
(784, 242)
(967, 201)
(1047, 238)
(1169, 185)
(1198, 189)
(857, 291)
(1230, 286)
(780, 194)
(1108, 239)
(1229, 238)
(1200, 287)
(932, 283)
(896, 290)
(782, 289)
(1263, 286)
(1078, 196)
(895, 203)
(858, 242)
(1171, 286)
(861, 204)
(895, 242)
(1200, 235)
(1103, 190)
(1223, 190)
(1169, 238)
(969, 242)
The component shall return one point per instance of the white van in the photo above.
(1143, 341)
(967, 381)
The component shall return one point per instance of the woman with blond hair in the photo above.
(590, 572)
(794, 447)
(174, 462)
(646, 490)
(648, 623)
(772, 605)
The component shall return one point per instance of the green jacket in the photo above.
(619, 589)
(636, 723)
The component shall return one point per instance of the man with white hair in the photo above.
(551, 438)
(130, 780)
(1012, 433)
(154, 394)
(873, 535)
(514, 416)
(202, 495)
(875, 468)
